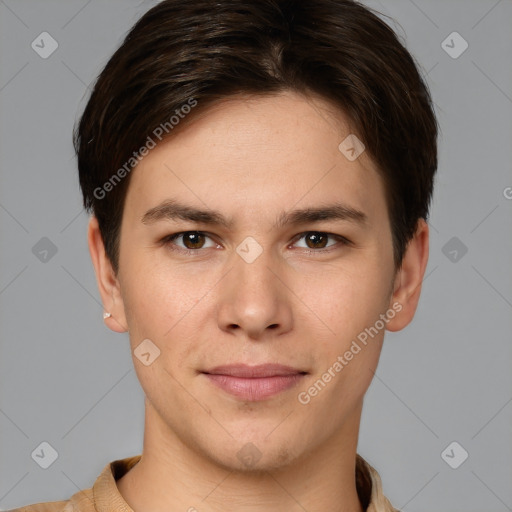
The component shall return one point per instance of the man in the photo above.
(259, 177)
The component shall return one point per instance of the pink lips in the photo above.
(253, 383)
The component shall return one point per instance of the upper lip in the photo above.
(261, 370)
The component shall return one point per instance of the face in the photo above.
(249, 239)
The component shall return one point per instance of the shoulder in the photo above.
(103, 491)
(51, 506)
(80, 502)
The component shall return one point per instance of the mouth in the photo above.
(254, 383)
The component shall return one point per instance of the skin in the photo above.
(298, 304)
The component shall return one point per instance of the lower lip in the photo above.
(254, 389)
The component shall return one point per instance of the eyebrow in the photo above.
(172, 209)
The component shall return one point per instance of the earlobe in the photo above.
(409, 278)
(108, 283)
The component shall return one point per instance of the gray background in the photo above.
(67, 380)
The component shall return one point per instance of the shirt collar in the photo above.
(108, 499)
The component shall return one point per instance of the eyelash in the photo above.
(168, 239)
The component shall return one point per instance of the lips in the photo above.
(253, 383)
(258, 371)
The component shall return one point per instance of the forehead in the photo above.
(249, 156)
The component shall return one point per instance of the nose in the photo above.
(254, 300)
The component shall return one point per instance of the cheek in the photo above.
(362, 300)
(163, 304)
(149, 292)
(347, 302)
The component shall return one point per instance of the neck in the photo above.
(173, 476)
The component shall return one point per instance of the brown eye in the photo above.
(315, 240)
(193, 240)
(318, 240)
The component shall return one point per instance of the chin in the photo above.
(258, 455)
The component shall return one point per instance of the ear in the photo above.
(409, 278)
(108, 283)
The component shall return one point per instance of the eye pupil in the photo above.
(193, 240)
(318, 240)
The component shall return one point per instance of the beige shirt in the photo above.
(104, 496)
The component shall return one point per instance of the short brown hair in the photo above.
(196, 53)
